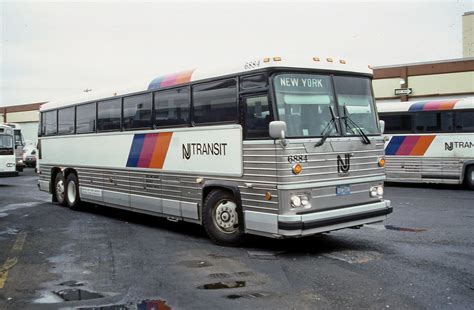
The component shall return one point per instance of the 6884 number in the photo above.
(297, 159)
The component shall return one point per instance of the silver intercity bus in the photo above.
(274, 147)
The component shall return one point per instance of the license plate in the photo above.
(342, 190)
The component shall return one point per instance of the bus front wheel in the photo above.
(220, 218)
(59, 189)
(469, 177)
(73, 200)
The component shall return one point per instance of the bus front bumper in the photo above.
(317, 222)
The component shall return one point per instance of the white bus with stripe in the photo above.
(430, 141)
(275, 147)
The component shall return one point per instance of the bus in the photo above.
(19, 145)
(7, 152)
(274, 147)
(430, 141)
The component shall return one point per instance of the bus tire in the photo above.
(73, 201)
(59, 189)
(469, 177)
(220, 218)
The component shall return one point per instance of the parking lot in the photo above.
(52, 257)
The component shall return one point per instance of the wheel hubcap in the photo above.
(225, 216)
(60, 189)
(71, 192)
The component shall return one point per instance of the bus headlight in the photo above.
(295, 201)
(376, 191)
(301, 200)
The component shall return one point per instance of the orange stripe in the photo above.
(160, 150)
(184, 77)
(422, 145)
(447, 105)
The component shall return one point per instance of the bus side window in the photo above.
(51, 123)
(109, 114)
(85, 118)
(137, 112)
(172, 107)
(465, 121)
(257, 117)
(66, 120)
(397, 123)
(215, 102)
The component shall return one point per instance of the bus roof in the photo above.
(316, 63)
(426, 105)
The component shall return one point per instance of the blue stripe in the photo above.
(417, 107)
(394, 145)
(156, 83)
(135, 150)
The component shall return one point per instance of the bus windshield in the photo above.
(305, 102)
(6, 142)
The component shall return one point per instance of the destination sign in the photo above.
(303, 83)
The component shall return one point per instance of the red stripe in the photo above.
(147, 150)
(408, 144)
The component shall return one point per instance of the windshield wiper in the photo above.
(326, 131)
(359, 131)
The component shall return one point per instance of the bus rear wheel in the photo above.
(220, 218)
(73, 200)
(59, 189)
(469, 177)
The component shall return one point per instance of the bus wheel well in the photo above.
(57, 170)
(469, 176)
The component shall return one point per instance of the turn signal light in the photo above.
(268, 196)
(297, 169)
(381, 162)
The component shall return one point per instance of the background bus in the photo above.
(19, 144)
(430, 141)
(7, 152)
(279, 148)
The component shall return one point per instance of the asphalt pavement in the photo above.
(100, 258)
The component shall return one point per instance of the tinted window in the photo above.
(465, 121)
(172, 107)
(397, 123)
(66, 121)
(254, 81)
(43, 124)
(109, 114)
(137, 112)
(50, 122)
(85, 118)
(257, 117)
(215, 102)
(434, 122)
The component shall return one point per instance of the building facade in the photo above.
(446, 79)
(27, 116)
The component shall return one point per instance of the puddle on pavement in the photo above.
(228, 275)
(71, 283)
(248, 295)
(195, 263)
(408, 229)
(222, 285)
(77, 294)
(268, 255)
(148, 304)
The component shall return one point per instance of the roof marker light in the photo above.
(316, 58)
(276, 58)
(329, 60)
(266, 59)
(342, 61)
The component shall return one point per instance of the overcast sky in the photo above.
(51, 50)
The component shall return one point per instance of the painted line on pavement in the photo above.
(12, 259)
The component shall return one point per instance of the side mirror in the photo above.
(277, 129)
(382, 126)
